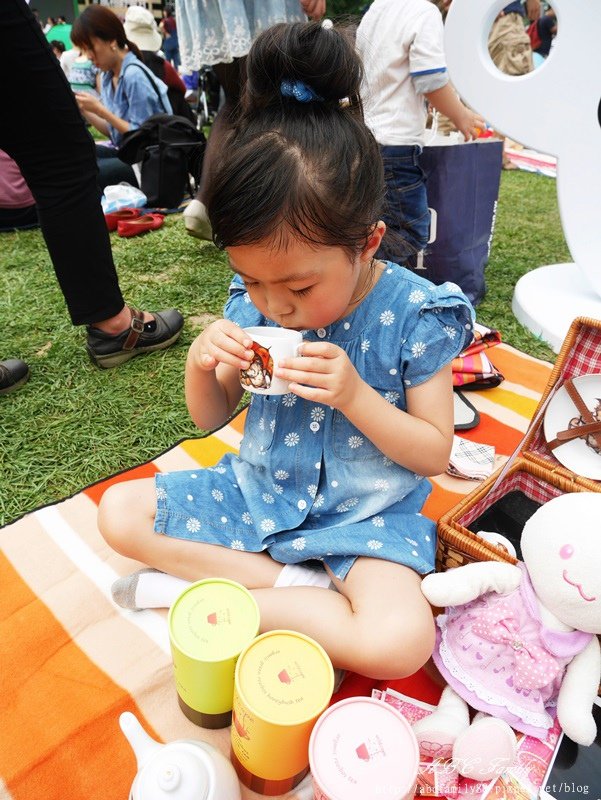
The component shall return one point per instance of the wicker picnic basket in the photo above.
(534, 471)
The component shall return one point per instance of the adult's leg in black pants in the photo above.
(231, 78)
(42, 129)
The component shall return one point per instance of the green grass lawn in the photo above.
(73, 424)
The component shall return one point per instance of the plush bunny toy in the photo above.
(518, 642)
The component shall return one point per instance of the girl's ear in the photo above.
(374, 240)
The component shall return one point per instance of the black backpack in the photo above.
(170, 150)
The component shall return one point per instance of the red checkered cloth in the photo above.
(473, 369)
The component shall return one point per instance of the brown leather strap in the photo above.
(591, 427)
(579, 432)
(136, 327)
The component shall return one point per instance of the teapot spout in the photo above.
(142, 744)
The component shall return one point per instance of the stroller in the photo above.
(208, 97)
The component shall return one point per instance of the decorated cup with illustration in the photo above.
(270, 345)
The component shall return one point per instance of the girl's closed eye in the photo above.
(302, 292)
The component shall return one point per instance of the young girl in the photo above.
(334, 470)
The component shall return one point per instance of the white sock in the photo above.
(295, 575)
(150, 588)
(147, 588)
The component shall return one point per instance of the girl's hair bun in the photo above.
(322, 57)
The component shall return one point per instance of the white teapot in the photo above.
(180, 770)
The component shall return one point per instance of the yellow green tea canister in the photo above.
(210, 623)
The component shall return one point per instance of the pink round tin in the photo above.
(362, 748)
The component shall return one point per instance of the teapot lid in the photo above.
(176, 773)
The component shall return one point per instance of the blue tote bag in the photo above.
(462, 181)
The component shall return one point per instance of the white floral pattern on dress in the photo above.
(418, 349)
(277, 488)
(355, 441)
(281, 474)
(365, 343)
(392, 397)
(291, 439)
(347, 504)
(193, 525)
(374, 544)
(378, 521)
(161, 493)
(289, 399)
(246, 518)
(450, 331)
(318, 414)
(387, 317)
(267, 525)
(217, 495)
(312, 490)
(411, 541)
(299, 543)
(381, 485)
(417, 296)
(237, 544)
(319, 500)
(268, 498)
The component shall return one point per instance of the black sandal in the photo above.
(13, 373)
(109, 350)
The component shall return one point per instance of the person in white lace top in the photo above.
(219, 33)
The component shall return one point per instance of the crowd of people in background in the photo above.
(122, 71)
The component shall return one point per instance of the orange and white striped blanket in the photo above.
(71, 662)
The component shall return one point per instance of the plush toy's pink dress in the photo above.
(498, 656)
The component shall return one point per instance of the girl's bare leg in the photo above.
(378, 623)
(126, 520)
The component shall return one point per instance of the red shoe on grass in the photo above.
(114, 217)
(147, 222)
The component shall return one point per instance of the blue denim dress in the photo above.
(307, 484)
(218, 31)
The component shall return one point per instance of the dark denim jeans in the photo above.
(42, 129)
(111, 170)
(406, 212)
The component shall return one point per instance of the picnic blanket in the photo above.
(71, 661)
(532, 161)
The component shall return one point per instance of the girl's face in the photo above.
(304, 287)
(102, 54)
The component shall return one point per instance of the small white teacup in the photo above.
(270, 346)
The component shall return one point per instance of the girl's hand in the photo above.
(323, 374)
(89, 103)
(222, 342)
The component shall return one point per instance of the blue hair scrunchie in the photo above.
(299, 91)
